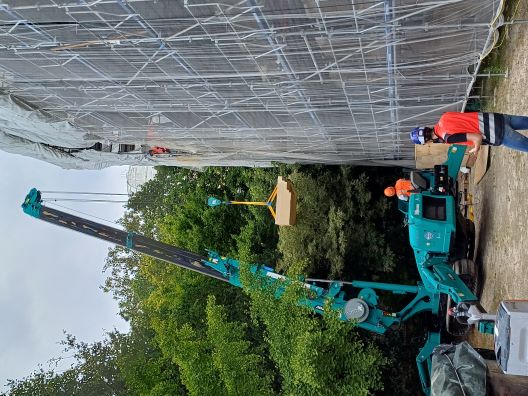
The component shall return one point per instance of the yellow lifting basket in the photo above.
(285, 199)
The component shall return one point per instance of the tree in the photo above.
(314, 355)
(142, 365)
(94, 373)
(219, 362)
(241, 369)
(194, 335)
(339, 228)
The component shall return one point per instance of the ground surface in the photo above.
(501, 197)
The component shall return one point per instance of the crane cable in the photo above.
(57, 199)
(82, 200)
(80, 193)
(52, 201)
(86, 214)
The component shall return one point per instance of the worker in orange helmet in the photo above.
(403, 189)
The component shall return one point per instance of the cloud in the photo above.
(49, 276)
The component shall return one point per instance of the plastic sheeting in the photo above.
(237, 82)
(27, 131)
(457, 370)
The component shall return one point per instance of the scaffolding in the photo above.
(247, 82)
(136, 176)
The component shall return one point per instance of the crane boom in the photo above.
(139, 243)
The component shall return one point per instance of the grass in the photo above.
(494, 63)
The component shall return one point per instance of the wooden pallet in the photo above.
(286, 203)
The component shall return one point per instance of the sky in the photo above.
(50, 277)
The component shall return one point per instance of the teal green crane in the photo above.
(362, 308)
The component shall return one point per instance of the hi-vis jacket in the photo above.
(490, 125)
(404, 189)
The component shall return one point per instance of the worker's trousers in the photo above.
(512, 138)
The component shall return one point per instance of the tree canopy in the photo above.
(194, 335)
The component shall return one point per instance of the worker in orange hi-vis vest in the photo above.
(403, 189)
(475, 129)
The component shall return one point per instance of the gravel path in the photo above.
(501, 198)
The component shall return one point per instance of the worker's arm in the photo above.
(403, 197)
(474, 138)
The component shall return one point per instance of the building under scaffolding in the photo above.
(95, 83)
(137, 176)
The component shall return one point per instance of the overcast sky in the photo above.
(50, 276)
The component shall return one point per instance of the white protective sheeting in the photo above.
(240, 82)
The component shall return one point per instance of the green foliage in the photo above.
(314, 356)
(181, 215)
(194, 335)
(242, 371)
(121, 364)
(339, 225)
(44, 383)
(142, 366)
(95, 373)
(193, 356)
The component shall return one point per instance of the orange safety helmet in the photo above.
(389, 191)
